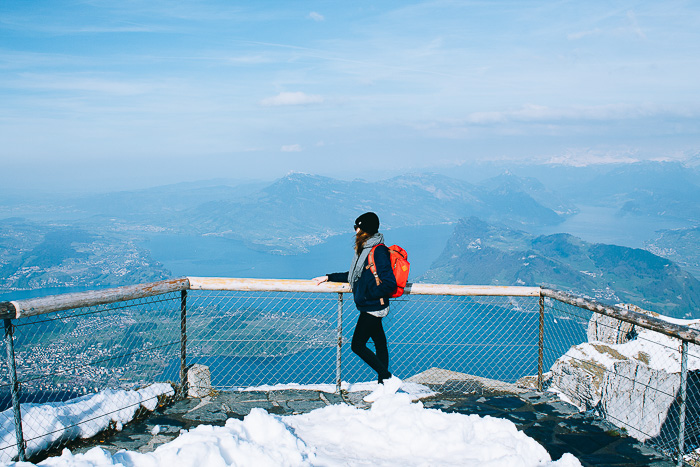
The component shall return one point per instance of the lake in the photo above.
(463, 335)
(24, 294)
(220, 257)
(598, 224)
(189, 255)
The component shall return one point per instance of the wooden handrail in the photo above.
(292, 285)
(36, 306)
(51, 303)
(653, 323)
(265, 285)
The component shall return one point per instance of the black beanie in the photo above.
(368, 222)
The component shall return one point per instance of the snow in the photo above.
(414, 390)
(693, 323)
(394, 431)
(656, 350)
(82, 417)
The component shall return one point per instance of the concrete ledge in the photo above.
(470, 383)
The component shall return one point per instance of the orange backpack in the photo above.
(399, 265)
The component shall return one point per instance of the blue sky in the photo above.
(111, 93)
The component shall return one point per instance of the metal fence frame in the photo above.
(17, 310)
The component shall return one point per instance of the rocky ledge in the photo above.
(631, 377)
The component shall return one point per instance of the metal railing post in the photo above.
(14, 387)
(183, 344)
(339, 349)
(540, 347)
(683, 396)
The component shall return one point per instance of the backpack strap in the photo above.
(371, 266)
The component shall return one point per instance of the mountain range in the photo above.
(483, 253)
(651, 188)
(680, 245)
(104, 238)
(301, 210)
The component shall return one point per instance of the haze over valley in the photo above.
(619, 218)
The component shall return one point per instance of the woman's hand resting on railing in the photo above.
(320, 280)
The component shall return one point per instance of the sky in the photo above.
(134, 93)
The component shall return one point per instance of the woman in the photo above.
(371, 299)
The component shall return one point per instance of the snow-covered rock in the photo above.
(198, 381)
(609, 330)
(638, 397)
(630, 376)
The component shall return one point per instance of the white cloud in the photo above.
(292, 148)
(625, 27)
(247, 60)
(316, 16)
(291, 98)
(540, 113)
(582, 34)
(634, 25)
(585, 156)
(546, 120)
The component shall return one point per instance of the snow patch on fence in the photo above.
(46, 424)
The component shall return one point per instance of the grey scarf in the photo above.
(358, 261)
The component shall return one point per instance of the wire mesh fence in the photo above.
(255, 338)
(489, 337)
(629, 375)
(626, 374)
(262, 338)
(100, 358)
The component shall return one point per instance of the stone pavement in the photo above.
(556, 425)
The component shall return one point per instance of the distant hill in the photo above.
(648, 188)
(668, 189)
(301, 210)
(99, 239)
(163, 203)
(679, 245)
(37, 255)
(510, 189)
(482, 253)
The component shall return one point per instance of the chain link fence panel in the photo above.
(266, 338)
(262, 338)
(626, 374)
(488, 337)
(98, 358)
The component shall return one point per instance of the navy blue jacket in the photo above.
(366, 292)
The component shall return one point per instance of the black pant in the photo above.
(370, 327)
